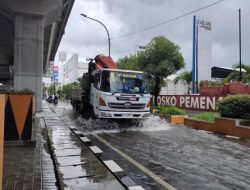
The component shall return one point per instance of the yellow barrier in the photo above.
(2, 110)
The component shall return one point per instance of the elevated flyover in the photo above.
(31, 31)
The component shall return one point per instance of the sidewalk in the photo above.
(30, 166)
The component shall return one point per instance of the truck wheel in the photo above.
(92, 113)
(85, 114)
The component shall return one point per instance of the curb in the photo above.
(114, 168)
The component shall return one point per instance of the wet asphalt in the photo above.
(76, 166)
(184, 157)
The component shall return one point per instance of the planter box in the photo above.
(226, 126)
(236, 88)
(248, 89)
(2, 108)
(177, 119)
(211, 90)
(174, 119)
(18, 117)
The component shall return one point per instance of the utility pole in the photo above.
(240, 41)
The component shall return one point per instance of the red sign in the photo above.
(194, 102)
(56, 69)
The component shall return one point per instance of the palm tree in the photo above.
(185, 76)
(235, 75)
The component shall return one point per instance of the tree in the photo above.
(160, 58)
(128, 62)
(236, 74)
(185, 76)
(68, 87)
(52, 88)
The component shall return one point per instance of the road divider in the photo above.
(137, 164)
(113, 166)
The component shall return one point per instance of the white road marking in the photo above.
(137, 164)
(72, 127)
(113, 166)
(96, 150)
(136, 188)
(84, 139)
(78, 132)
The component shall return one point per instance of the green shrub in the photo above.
(206, 116)
(155, 107)
(171, 111)
(24, 91)
(235, 106)
(245, 123)
(211, 83)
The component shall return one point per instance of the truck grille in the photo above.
(126, 105)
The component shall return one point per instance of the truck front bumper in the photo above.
(124, 115)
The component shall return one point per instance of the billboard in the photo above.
(202, 39)
(62, 56)
(55, 73)
(204, 49)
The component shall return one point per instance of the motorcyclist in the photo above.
(55, 98)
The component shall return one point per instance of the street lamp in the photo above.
(103, 26)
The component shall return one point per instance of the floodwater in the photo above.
(184, 157)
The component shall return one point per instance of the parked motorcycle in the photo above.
(52, 99)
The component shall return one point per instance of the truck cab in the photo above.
(119, 94)
(109, 92)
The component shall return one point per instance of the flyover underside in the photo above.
(6, 48)
(30, 33)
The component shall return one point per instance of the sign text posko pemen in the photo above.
(195, 102)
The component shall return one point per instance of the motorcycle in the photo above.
(52, 99)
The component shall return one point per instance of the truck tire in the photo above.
(92, 113)
(85, 114)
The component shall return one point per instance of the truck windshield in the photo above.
(125, 82)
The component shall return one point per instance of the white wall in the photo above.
(73, 69)
(170, 88)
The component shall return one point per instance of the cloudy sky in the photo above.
(88, 38)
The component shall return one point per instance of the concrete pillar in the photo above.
(28, 54)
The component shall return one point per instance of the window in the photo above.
(97, 80)
(117, 81)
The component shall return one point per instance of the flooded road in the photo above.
(184, 157)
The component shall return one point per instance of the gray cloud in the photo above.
(88, 38)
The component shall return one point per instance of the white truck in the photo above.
(108, 92)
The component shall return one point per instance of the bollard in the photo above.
(2, 111)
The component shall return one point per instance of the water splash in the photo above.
(153, 123)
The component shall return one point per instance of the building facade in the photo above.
(73, 69)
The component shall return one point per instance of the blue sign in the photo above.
(55, 74)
